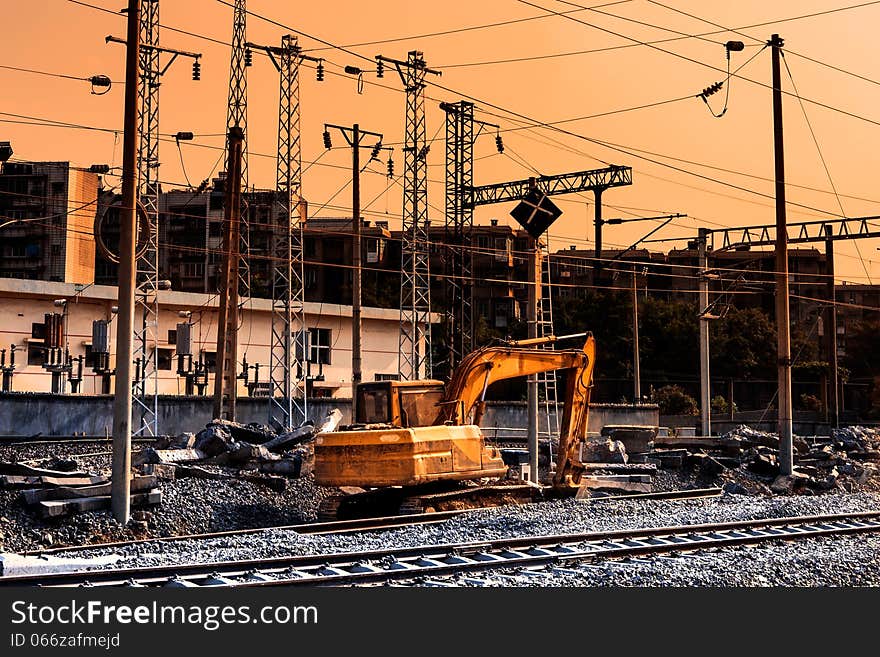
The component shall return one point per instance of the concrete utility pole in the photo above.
(353, 136)
(637, 379)
(356, 324)
(225, 372)
(532, 318)
(831, 332)
(703, 296)
(120, 498)
(782, 311)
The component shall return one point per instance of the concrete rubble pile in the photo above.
(229, 450)
(845, 459)
(616, 462)
(625, 460)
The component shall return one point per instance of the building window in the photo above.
(209, 358)
(35, 354)
(57, 187)
(320, 345)
(38, 331)
(193, 269)
(163, 359)
(172, 336)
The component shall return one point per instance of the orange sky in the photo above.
(64, 37)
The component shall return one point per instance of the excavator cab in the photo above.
(398, 403)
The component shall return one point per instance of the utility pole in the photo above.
(145, 388)
(353, 136)
(120, 498)
(597, 221)
(782, 311)
(831, 331)
(534, 284)
(637, 379)
(356, 325)
(703, 318)
(225, 375)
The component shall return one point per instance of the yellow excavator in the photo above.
(409, 439)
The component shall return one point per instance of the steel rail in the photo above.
(380, 566)
(361, 524)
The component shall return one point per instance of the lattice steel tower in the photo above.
(287, 367)
(146, 383)
(414, 359)
(236, 116)
(459, 320)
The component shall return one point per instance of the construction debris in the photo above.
(248, 452)
(608, 451)
(822, 463)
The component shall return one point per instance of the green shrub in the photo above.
(675, 401)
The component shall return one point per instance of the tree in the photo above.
(743, 345)
(675, 401)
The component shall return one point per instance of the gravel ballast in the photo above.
(556, 517)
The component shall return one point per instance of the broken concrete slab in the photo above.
(252, 432)
(150, 455)
(15, 565)
(291, 438)
(607, 451)
(57, 508)
(213, 440)
(13, 481)
(589, 484)
(635, 438)
(621, 468)
(35, 496)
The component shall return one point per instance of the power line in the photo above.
(656, 41)
(789, 51)
(460, 30)
(694, 61)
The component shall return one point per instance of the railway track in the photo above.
(359, 525)
(521, 554)
(14, 441)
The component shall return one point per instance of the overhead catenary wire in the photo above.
(672, 181)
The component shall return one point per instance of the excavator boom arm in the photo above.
(482, 368)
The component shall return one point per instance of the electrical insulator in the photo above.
(375, 154)
(390, 167)
(424, 152)
(380, 68)
(712, 89)
(197, 71)
(499, 144)
(319, 70)
(327, 143)
(248, 57)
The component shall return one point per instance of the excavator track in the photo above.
(398, 501)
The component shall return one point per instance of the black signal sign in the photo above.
(536, 212)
